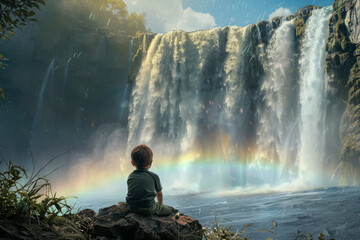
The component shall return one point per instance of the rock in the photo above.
(87, 213)
(352, 19)
(301, 16)
(350, 131)
(114, 222)
(141, 44)
(342, 68)
(117, 222)
(340, 58)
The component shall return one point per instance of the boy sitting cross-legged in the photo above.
(144, 185)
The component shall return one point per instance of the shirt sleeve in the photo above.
(158, 186)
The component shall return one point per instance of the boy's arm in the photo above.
(159, 197)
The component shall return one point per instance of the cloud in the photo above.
(166, 15)
(280, 12)
(191, 20)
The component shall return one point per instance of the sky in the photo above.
(191, 15)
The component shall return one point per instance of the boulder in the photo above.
(87, 213)
(117, 222)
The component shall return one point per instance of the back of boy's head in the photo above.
(141, 155)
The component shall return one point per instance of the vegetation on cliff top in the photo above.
(85, 20)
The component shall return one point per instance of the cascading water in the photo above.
(312, 97)
(166, 103)
(277, 125)
(123, 100)
(47, 76)
(237, 99)
(66, 67)
(247, 107)
(66, 73)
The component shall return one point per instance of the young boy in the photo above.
(144, 185)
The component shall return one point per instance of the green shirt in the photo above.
(142, 185)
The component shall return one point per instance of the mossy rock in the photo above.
(354, 76)
(263, 28)
(276, 21)
(337, 4)
(350, 129)
(290, 17)
(141, 48)
(299, 26)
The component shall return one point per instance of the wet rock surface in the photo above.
(342, 68)
(352, 19)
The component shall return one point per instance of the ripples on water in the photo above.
(332, 211)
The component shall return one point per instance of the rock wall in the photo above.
(352, 19)
(343, 71)
(62, 105)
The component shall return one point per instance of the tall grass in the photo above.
(30, 197)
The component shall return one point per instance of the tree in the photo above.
(14, 14)
(114, 13)
(117, 6)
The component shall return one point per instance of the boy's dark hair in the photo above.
(141, 155)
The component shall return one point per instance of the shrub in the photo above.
(28, 197)
(217, 231)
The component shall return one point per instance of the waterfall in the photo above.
(47, 76)
(123, 100)
(312, 97)
(166, 100)
(66, 73)
(237, 100)
(251, 107)
(277, 123)
(131, 51)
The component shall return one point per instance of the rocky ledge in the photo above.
(119, 223)
(114, 222)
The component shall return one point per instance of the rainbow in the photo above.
(193, 172)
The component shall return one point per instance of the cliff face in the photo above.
(66, 77)
(342, 65)
(352, 19)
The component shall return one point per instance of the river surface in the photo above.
(332, 211)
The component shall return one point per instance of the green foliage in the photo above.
(114, 15)
(2, 60)
(2, 93)
(15, 14)
(118, 7)
(273, 230)
(309, 236)
(217, 231)
(28, 197)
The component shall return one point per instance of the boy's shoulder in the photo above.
(142, 177)
(143, 172)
